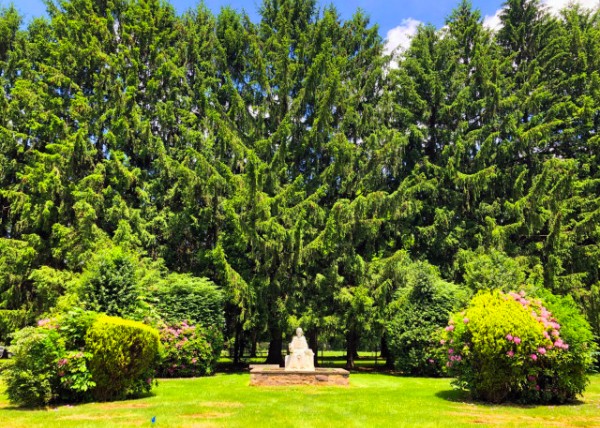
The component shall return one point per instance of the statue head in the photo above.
(299, 332)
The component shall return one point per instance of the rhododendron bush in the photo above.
(189, 350)
(514, 347)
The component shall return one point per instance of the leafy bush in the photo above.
(186, 298)
(508, 347)
(187, 351)
(418, 311)
(495, 270)
(110, 284)
(65, 359)
(32, 379)
(74, 326)
(124, 356)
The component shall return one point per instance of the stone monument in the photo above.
(301, 357)
(299, 369)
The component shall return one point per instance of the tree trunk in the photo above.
(274, 356)
(314, 344)
(253, 346)
(236, 345)
(351, 349)
(385, 353)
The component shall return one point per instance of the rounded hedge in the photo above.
(508, 347)
(125, 355)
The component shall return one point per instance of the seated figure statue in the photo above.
(301, 356)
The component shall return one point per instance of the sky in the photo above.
(398, 20)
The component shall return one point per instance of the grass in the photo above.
(373, 400)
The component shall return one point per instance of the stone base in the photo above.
(269, 376)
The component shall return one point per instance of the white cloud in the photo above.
(398, 38)
(492, 21)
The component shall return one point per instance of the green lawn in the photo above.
(372, 400)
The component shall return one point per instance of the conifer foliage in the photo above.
(290, 161)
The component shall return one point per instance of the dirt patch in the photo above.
(96, 417)
(228, 404)
(126, 405)
(207, 415)
(523, 420)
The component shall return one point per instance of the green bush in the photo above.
(49, 362)
(187, 352)
(508, 347)
(195, 300)
(32, 379)
(417, 313)
(74, 325)
(110, 285)
(124, 357)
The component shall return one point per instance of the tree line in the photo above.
(293, 163)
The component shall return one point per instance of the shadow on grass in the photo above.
(457, 396)
(54, 406)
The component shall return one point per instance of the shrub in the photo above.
(124, 356)
(32, 379)
(418, 311)
(187, 352)
(186, 298)
(74, 325)
(110, 284)
(509, 347)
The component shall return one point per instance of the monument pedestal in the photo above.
(269, 376)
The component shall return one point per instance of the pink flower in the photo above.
(533, 357)
(194, 360)
(430, 361)
(466, 320)
(555, 333)
(531, 378)
(449, 364)
(43, 322)
(541, 350)
(442, 342)
(517, 340)
(450, 328)
(509, 337)
(537, 387)
(62, 362)
(510, 354)
(450, 351)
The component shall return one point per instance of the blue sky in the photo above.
(388, 14)
(397, 20)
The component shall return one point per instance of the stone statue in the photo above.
(301, 356)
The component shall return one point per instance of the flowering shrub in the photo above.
(187, 351)
(75, 377)
(64, 359)
(33, 379)
(511, 347)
